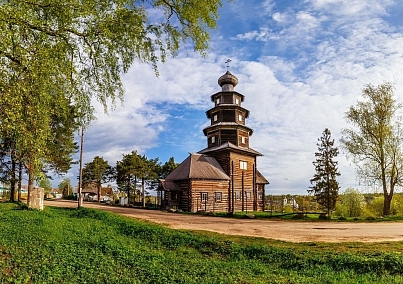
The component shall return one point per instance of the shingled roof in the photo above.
(198, 166)
(260, 178)
(229, 145)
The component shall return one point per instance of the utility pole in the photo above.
(80, 176)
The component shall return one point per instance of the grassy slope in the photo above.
(89, 246)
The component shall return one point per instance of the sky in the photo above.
(300, 65)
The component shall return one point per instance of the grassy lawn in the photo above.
(301, 216)
(90, 246)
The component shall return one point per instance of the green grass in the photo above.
(307, 217)
(90, 246)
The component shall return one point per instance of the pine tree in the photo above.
(325, 187)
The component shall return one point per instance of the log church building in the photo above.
(222, 177)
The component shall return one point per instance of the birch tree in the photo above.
(375, 140)
(75, 51)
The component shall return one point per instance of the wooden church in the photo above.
(222, 177)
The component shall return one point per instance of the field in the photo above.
(90, 246)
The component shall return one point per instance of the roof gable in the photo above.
(198, 166)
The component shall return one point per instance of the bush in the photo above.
(375, 207)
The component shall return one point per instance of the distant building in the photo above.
(90, 193)
(222, 177)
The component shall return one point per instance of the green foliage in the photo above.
(65, 187)
(374, 142)
(97, 172)
(325, 187)
(90, 246)
(56, 57)
(168, 167)
(375, 206)
(353, 201)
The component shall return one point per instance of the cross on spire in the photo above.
(227, 62)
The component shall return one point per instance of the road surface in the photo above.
(290, 231)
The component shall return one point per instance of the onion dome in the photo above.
(227, 82)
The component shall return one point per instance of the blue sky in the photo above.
(300, 65)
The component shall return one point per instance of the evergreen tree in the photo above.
(127, 173)
(325, 187)
(96, 172)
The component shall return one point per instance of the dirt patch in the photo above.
(291, 231)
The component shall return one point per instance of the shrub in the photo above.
(353, 202)
(375, 206)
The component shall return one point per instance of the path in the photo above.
(291, 231)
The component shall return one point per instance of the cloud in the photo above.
(300, 66)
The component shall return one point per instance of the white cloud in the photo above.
(310, 64)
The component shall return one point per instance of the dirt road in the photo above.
(279, 230)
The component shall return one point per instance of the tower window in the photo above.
(243, 140)
(213, 139)
(243, 165)
(240, 117)
(217, 101)
(237, 101)
(215, 118)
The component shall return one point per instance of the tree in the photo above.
(325, 186)
(374, 143)
(45, 184)
(353, 201)
(127, 172)
(168, 167)
(96, 172)
(71, 52)
(65, 187)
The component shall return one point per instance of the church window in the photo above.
(248, 195)
(237, 195)
(218, 101)
(243, 140)
(240, 117)
(213, 139)
(215, 118)
(218, 196)
(237, 101)
(204, 196)
(243, 165)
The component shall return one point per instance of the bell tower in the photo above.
(228, 142)
(227, 117)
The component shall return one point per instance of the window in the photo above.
(260, 195)
(243, 165)
(237, 101)
(237, 195)
(243, 140)
(215, 118)
(218, 196)
(204, 196)
(213, 139)
(217, 101)
(240, 117)
(174, 196)
(248, 195)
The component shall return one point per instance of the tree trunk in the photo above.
(143, 191)
(12, 179)
(35, 195)
(387, 200)
(19, 180)
(99, 192)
